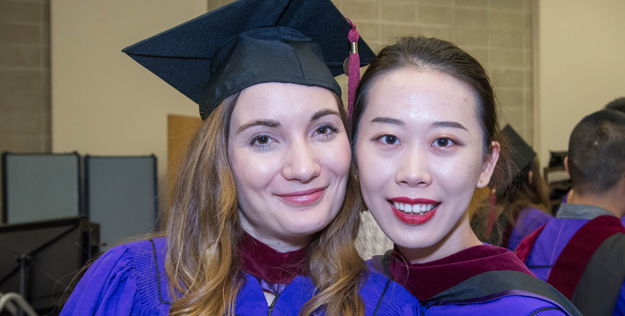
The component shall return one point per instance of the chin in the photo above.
(415, 242)
(302, 225)
(412, 237)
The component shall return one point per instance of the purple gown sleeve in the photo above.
(619, 309)
(108, 287)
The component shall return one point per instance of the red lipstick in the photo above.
(303, 197)
(413, 219)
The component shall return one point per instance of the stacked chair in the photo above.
(60, 211)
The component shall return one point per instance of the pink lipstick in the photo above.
(303, 197)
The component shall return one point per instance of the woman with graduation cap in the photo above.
(426, 135)
(264, 214)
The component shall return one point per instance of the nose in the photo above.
(301, 162)
(413, 169)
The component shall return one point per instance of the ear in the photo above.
(488, 165)
(530, 177)
(566, 165)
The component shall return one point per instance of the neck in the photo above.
(611, 201)
(279, 243)
(459, 238)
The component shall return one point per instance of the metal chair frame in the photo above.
(7, 300)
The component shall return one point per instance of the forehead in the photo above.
(422, 96)
(282, 100)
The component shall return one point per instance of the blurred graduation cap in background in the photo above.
(248, 42)
(522, 153)
(522, 156)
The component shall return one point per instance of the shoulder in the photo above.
(517, 304)
(537, 214)
(386, 297)
(121, 280)
(498, 289)
(120, 259)
(140, 257)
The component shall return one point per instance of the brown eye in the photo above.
(262, 140)
(443, 142)
(325, 131)
(390, 139)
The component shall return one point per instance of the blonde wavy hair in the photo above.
(203, 229)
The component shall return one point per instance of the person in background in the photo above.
(526, 205)
(582, 251)
(266, 205)
(426, 135)
(617, 104)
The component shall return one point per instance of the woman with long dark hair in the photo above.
(426, 135)
(265, 210)
(526, 207)
(522, 208)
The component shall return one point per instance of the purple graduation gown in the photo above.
(529, 220)
(130, 279)
(481, 280)
(580, 241)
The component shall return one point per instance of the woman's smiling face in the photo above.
(420, 155)
(290, 156)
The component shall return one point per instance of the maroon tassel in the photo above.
(492, 214)
(354, 68)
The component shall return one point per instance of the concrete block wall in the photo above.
(496, 32)
(24, 76)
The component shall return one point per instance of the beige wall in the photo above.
(103, 102)
(581, 63)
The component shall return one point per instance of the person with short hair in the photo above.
(582, 251)
(617, 104)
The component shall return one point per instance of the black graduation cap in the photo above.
(523, 154)
(248, 42)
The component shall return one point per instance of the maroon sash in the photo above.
(429, 279)
(570, 265)
(524, 248)
(269, 264)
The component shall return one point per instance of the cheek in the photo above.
(458, 173)
(251, 170)
(337, 157)
(374, 172)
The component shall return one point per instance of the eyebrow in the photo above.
(387, 120)
(268, 123)
(274, 123)
(450, 124)
(323, 113)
